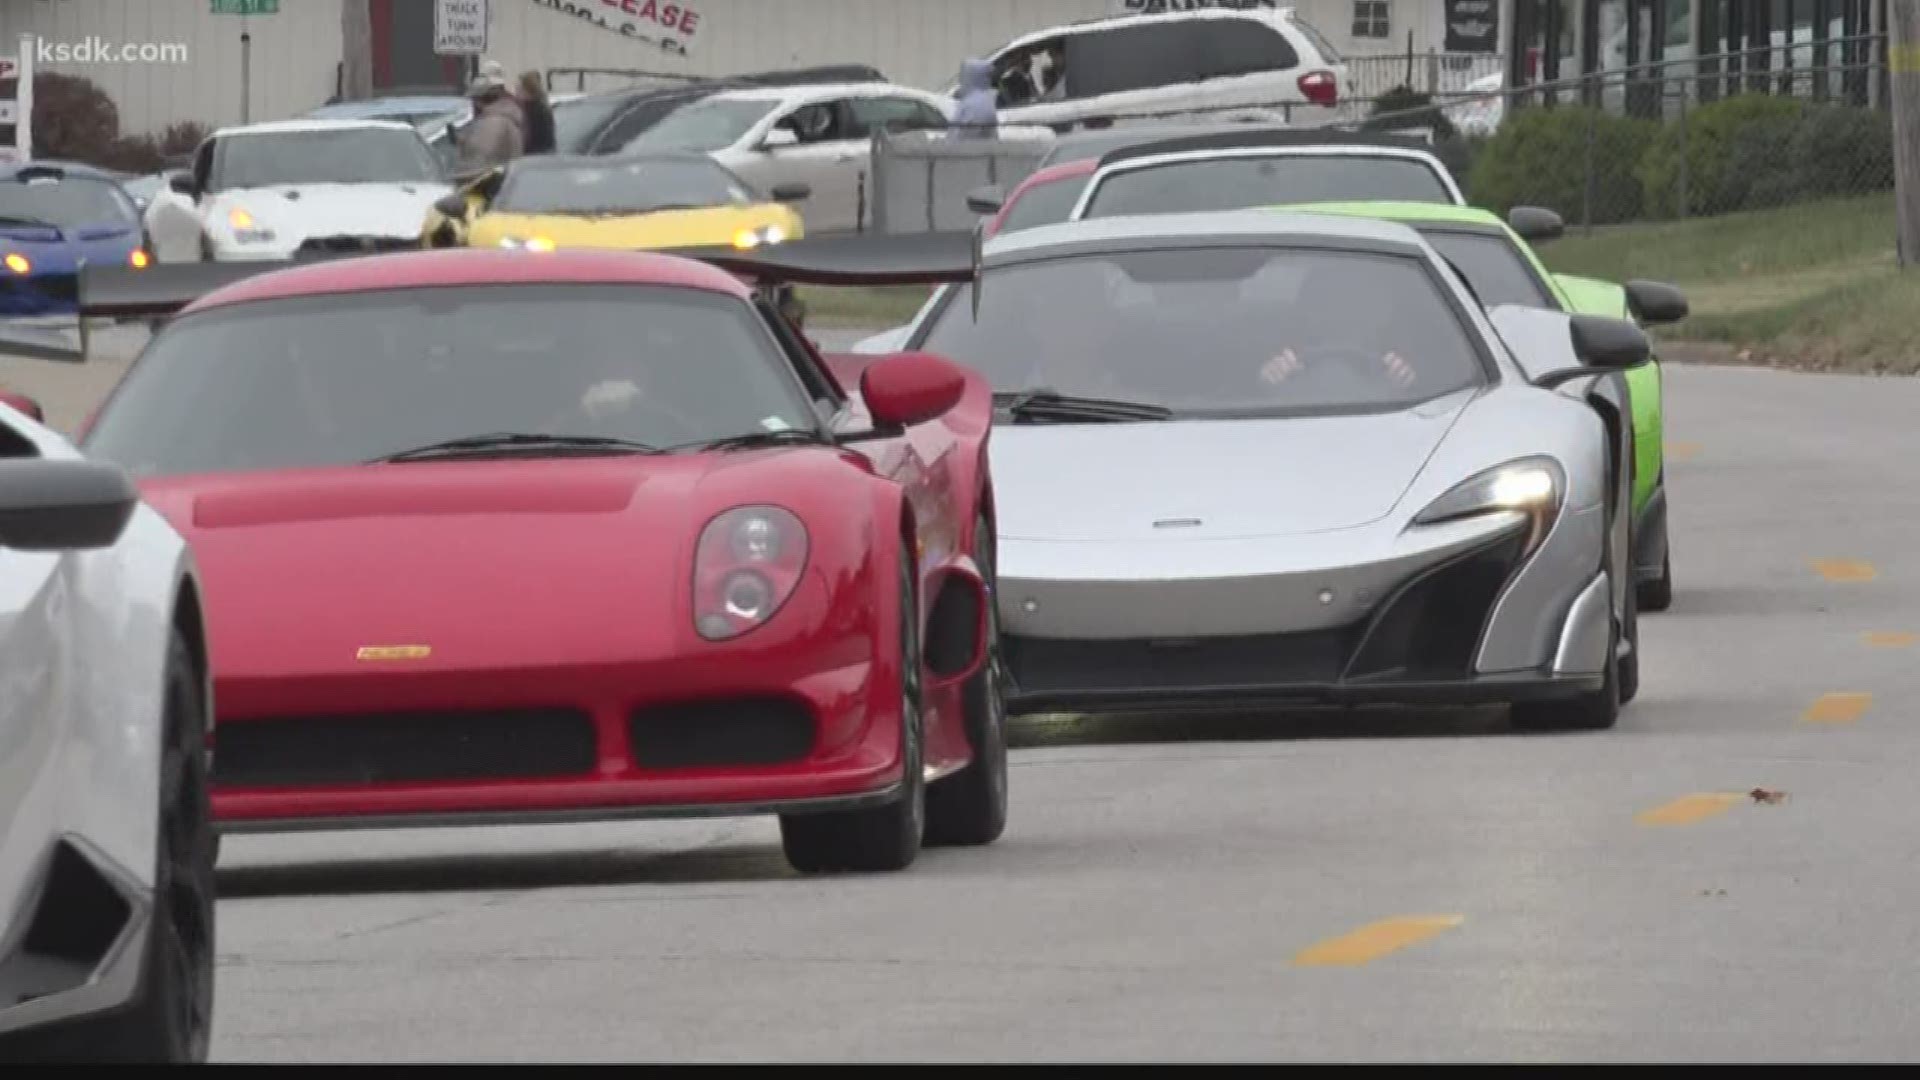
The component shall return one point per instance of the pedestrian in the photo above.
(977, 115)
(497, 134)
(539, 113)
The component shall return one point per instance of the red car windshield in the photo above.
(341, 379)
(1045, 199)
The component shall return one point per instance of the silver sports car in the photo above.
(1262, 458)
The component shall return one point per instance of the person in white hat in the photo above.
(498, 132)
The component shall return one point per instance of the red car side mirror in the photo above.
(911, 388)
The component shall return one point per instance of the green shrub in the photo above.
(1722, 143)
(1842, 150)
(1541, 157)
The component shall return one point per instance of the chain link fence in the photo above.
(1700, 136)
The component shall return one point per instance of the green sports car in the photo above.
(1499, 263)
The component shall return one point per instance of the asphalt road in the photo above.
(1337, 887)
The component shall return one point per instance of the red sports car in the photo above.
(517, 537)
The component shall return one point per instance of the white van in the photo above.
(1202, 60)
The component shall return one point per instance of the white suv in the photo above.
(1200, 60)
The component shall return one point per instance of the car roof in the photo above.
(1272, 16)
(608, 161)
(456, 267)
(1092, 145)
(1205, 228)
(76, 169)
(1473, 218)
(311, 123)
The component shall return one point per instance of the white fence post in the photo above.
(23, 124)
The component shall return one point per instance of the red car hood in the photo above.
(491, 564)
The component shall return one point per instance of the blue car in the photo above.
(54, 215)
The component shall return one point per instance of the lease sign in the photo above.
(672, 27)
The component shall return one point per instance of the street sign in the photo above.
(246, 7)
(460, 27)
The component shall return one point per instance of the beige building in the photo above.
(170, 60)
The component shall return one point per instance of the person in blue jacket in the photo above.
(978, 114)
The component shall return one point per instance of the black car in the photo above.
(605, 123)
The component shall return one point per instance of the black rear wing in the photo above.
(1264, 138)
(33, 344)
(865, 259)
(160, 289)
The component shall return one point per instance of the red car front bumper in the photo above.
(744, 731)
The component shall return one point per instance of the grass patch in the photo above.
(1813, 285)
(861, 309)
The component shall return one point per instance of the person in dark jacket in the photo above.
(539, 113)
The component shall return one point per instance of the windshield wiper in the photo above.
(27, 222)
(1045, 404)
(754, 440)
(513, 440)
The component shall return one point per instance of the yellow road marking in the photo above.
(1689, 808)
(1889, 639)
(1375, 940)
(1681, 451)
(1845, 570)
(1837, 708)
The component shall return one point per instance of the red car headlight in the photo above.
(747, 565)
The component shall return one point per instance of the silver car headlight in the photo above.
(1535, 486)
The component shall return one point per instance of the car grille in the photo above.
(334, 245)
(315, 751)
(710, 734)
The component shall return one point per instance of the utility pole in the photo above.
(356, 50)
(1903, 73)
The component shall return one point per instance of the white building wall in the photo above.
(294, 55)
(296, 52)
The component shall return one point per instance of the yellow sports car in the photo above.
(630, 203)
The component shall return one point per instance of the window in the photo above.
(1370, 19)
(258, 159)
(634, 186)
(1244, 47)
(893, 114)
(1496, 271)
(1044, 204)
(1140, 57)
(1193, 328)
(317, 381)
(74, 202)
(1237, 183)
(713, 124)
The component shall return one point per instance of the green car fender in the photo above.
(1587, 296)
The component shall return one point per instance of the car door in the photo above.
(828, 157)
(33, 599)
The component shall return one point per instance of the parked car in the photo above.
(817, 135)
(1164, 63)
(55, 215)
(275, 190)
(106, 849)
(607, 123)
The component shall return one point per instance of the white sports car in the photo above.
(298, 187)
(106, 851)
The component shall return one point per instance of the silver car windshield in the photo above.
(1216, 332)
(1240, 183)
(713, 124)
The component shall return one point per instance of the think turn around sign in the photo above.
(460, 27)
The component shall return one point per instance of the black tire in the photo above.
(886, 837)
(1657, 595)
(1592, 711)
(970, 807)
(170, 1019)
(1629, 664)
